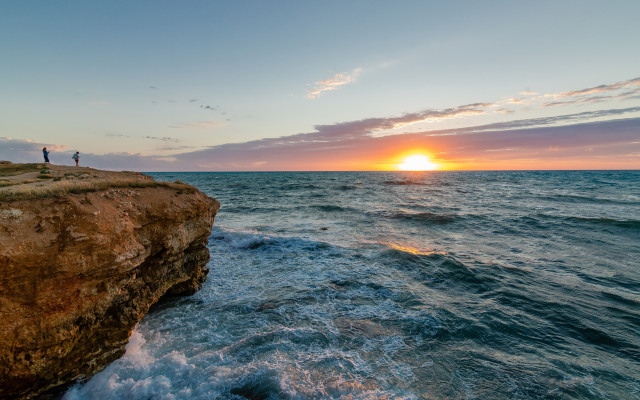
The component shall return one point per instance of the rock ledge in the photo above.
(78, 271)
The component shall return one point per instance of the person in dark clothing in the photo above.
(45, 153)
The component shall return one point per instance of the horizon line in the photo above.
(382, 171)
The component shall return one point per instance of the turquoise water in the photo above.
(435, 285)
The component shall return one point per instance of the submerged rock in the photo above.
(77, 272)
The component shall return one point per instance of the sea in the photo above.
(401, 285)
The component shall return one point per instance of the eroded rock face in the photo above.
(78, 272)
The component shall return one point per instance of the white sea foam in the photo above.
(241, 240)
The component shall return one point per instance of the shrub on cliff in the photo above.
(16, 169)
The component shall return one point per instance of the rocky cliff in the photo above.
(78, 271)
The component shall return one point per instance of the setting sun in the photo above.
(417, 162)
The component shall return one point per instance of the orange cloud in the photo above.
(515, 146)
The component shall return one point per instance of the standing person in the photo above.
(76, 157)
(45, 153)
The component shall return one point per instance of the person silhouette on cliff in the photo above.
(76, 157)
(45, 153)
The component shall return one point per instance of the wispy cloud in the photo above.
(618, 90)
(208, 107)
(177, 148)
(202, 125)
(378, 126)
(565, 119)
(163, 139)
(602, 88)
(338, 80)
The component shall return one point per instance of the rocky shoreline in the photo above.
(80, 269)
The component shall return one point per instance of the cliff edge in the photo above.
(80, 265)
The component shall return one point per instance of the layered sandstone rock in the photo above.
(77, 272)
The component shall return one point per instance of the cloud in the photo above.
(517, 100)
(596, 139)
(344, 140)
(25, 149)
(602, 88)
(164, 139)
(126, 161)
(177, 148)
(542, 121)
(377, 126)
(334, 83)
(202, 125)
(351, 146)
(618, 90)
(353, 151)
(29, 151)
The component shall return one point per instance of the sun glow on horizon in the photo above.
(417, 162)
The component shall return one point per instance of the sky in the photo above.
(321, 85)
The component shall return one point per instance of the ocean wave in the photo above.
(625, 300)
(631, 223)
(237, 185)
(348, 187)
(241, 240)
(298, 186)
(240, 209)
(252, 240)
(258, 340)
(434, 218)
(275, 372)
(440, 268)
(576, 198)
(561, 318)
(411, 250)
(403, 182)
(593, 333)
(422, 205)
(331, 208)
(620, 223)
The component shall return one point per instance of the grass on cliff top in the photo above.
(61, 188)
(17, 169)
